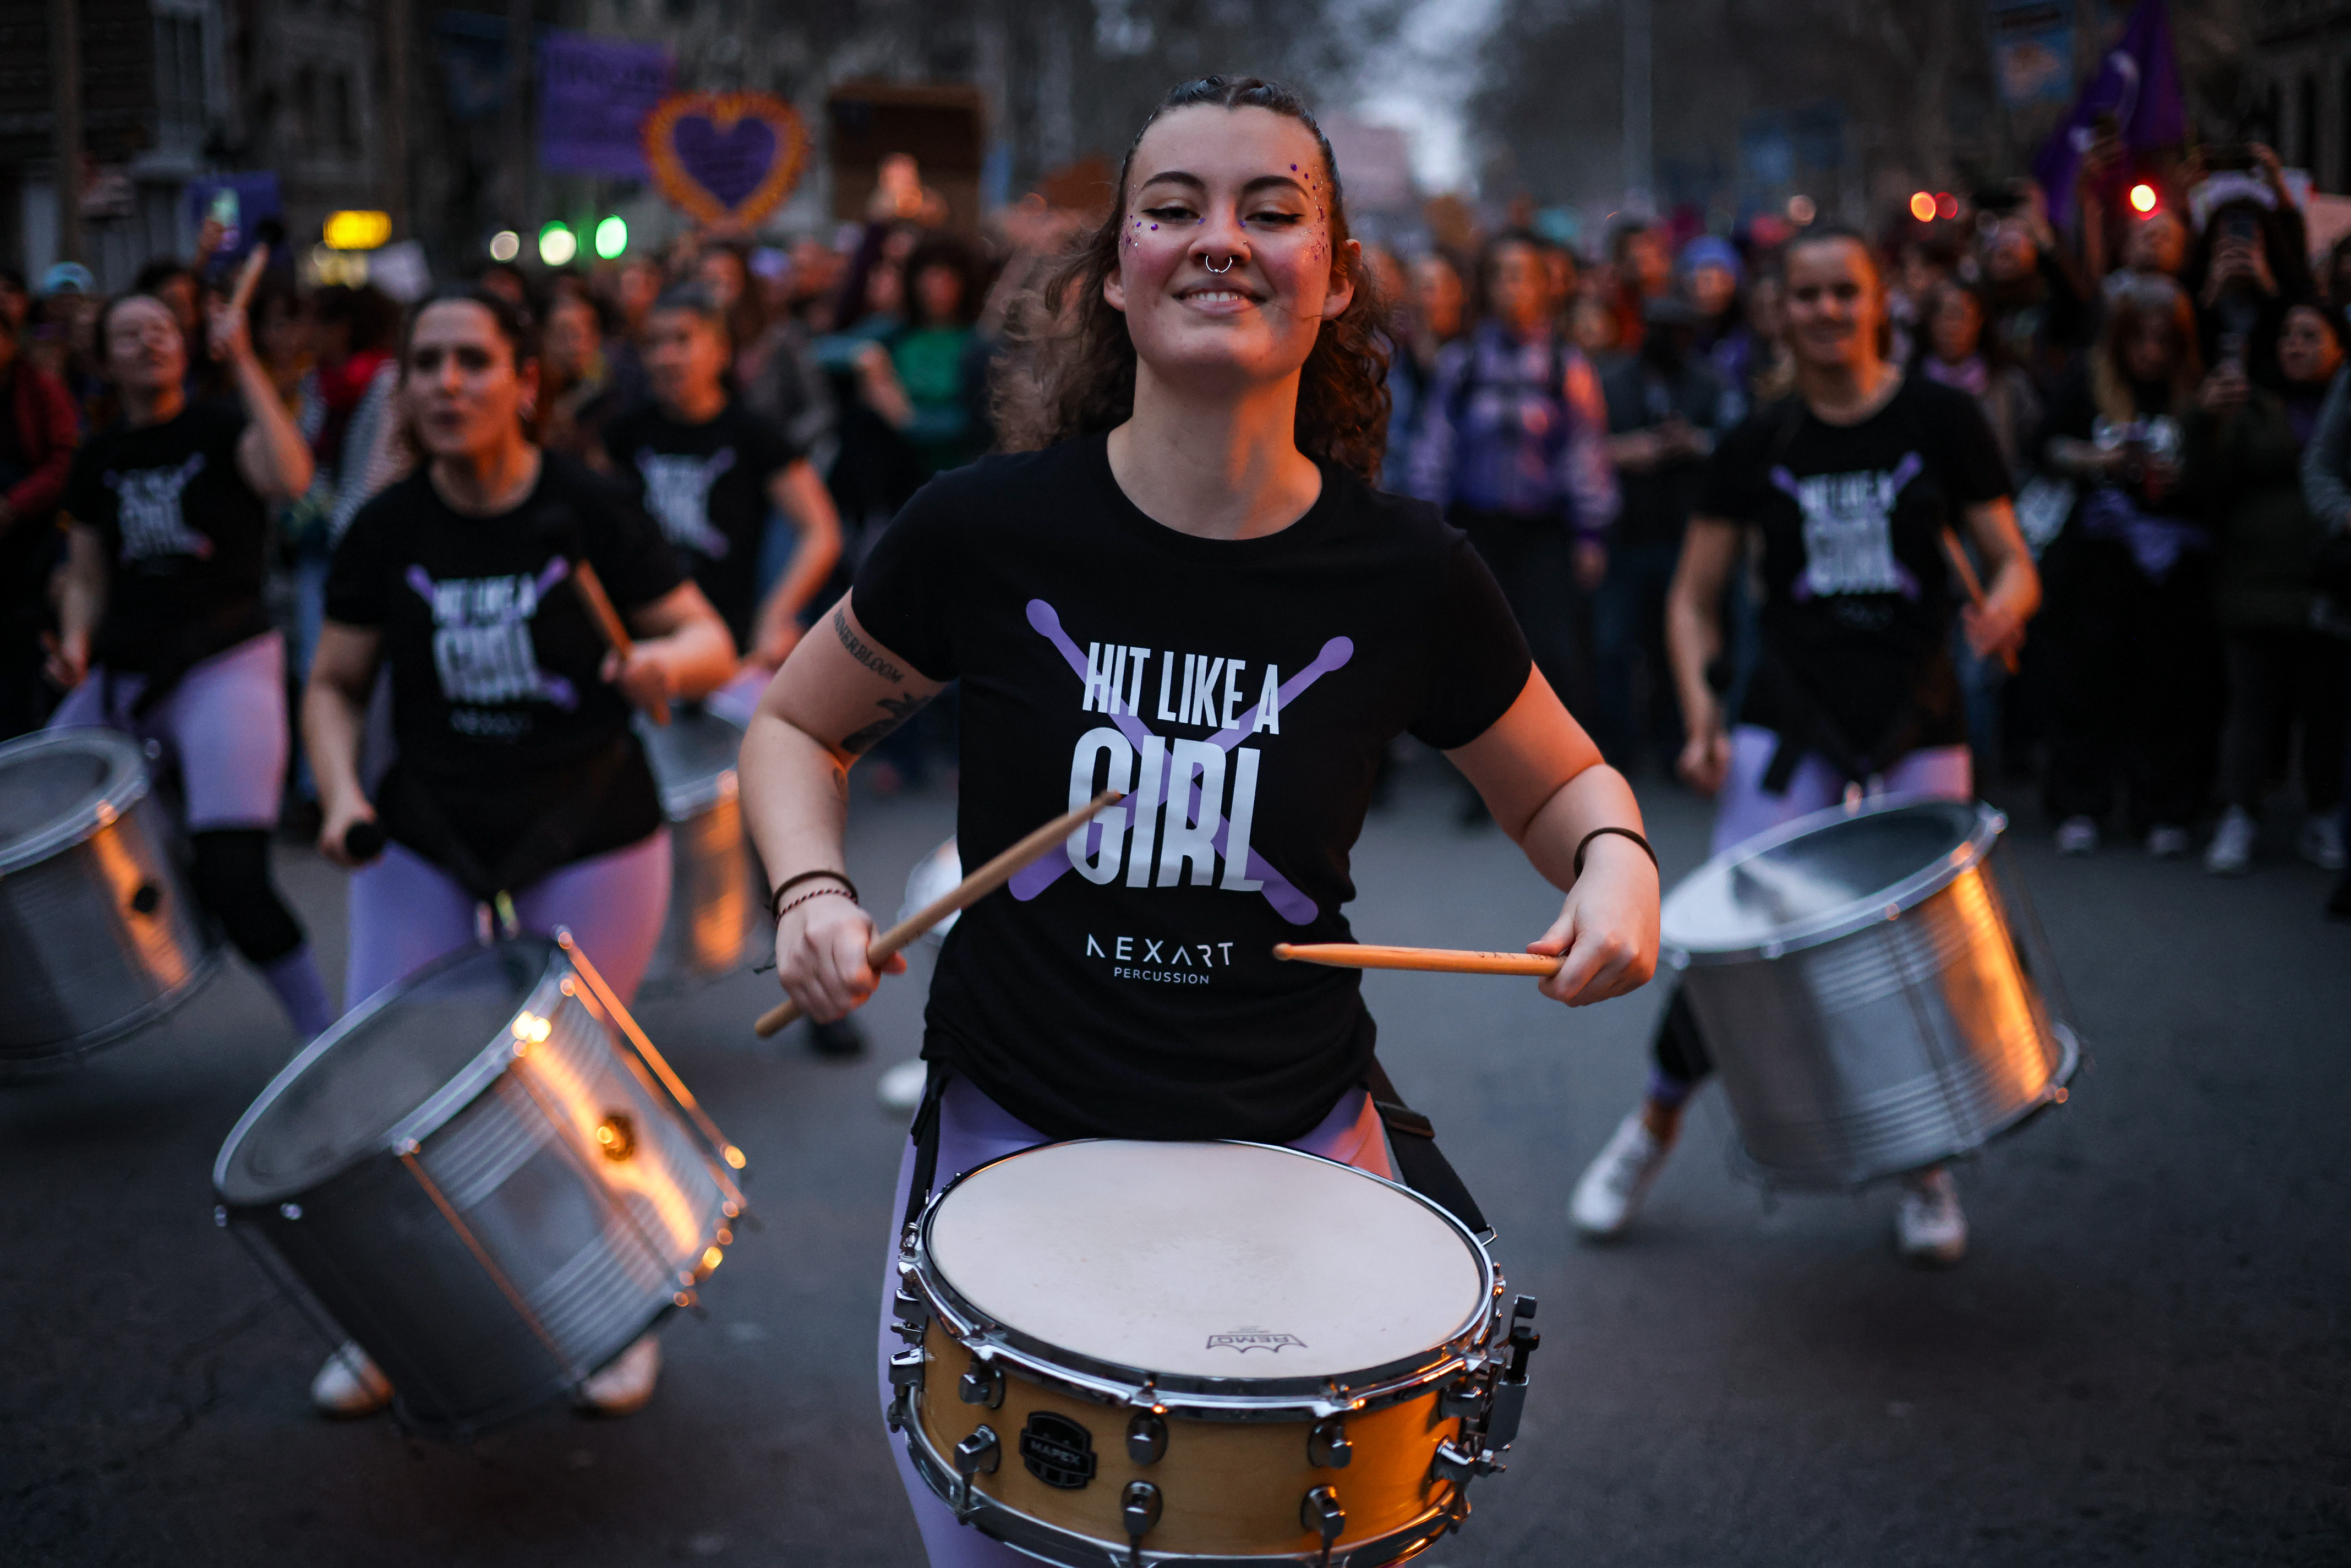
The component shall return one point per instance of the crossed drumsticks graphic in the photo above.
(1288, 902)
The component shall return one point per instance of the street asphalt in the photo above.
(2144, 1360)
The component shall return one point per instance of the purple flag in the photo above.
(2137, 82)
(593, 96)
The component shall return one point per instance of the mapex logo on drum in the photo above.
(1247, 1340)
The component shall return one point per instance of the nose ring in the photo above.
(1213, 268)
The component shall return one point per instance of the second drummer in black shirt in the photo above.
(1190, 593)
(1851, 485)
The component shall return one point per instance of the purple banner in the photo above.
(2137, 82)
(593, 96)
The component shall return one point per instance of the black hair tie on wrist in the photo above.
(1619, 833)
(776, 899)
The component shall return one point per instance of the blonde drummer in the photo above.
(1187, 591)
(1857, 486)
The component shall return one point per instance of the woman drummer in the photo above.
(162, 632)
(1851, 483)
(519, 783)
(1192, 594)
(708, 469)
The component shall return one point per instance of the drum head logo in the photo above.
(1057, 1450)
(1247, 1340)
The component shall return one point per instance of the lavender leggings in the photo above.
(1744, 810)
(407, 912)
(974, 1129)
(224, 722)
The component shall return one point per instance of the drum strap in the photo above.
(924, 1131)
(1412, 1138)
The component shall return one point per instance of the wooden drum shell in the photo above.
(1229, 1488)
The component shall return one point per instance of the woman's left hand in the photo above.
(643, 678)
(1607, 928)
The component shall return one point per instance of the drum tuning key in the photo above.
(1321, 1514)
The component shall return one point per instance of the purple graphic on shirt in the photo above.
(1849, 529)
(1287, 900)
(482, 647)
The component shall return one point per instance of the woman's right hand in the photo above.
(336, 820)
(820, 956)
(1706, 760)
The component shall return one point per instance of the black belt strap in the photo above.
(1412, 1137)
(924, 1131)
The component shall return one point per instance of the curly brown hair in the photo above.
(1081, 378)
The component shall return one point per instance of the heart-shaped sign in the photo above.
(725, 157)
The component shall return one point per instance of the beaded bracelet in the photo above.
(1619, 833)
(776, 899)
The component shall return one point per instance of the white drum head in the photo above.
(1206, 1260)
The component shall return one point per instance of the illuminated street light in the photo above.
(2142, 198)
(357, 230)
(1802, 210)
(1947, 205)
(505, 245)
(557, 245)
(1922, 205)
(612, 237)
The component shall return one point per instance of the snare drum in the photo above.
(710, 901)
(1201, 1352)
(489, 1177)
(1873, 990)
(99, 934)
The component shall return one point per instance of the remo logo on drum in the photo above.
(1247, 1340)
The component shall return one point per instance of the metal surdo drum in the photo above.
(99, 934)
(1873, 988)
(489, 1177)
(710, 902)
(1131, 1352)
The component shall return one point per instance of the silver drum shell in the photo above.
(707, 931)
(1915, 1029)
(100, 933)
(484, 1249)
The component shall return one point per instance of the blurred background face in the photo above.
(641, 285)
(2158, 243)
(938, 295)
(1712, 287)
(721, 273)
(572, 337)
(684, 356)
(1643, 263)
(283, 339)
(1766, 308)
(1559, 275)
(145, 349)
(1516, 289)
(1957, 328)
(1438, 293)
(464, 392)
(2010, 255)
(2307, 352)
(1835, 303)
(2150, 350)
(885, 287)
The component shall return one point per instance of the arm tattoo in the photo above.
(897, 710)
(862, 651)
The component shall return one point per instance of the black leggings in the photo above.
(1680, 1050)
(232, 877)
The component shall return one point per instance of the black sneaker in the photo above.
(841, 1039)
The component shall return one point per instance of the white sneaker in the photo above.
(2077, 836)
(2322, 843)
(626, 1385)
(349, 1384)
(2168, 843)
(901, 1089)
(1932, 1230)
(2230, 853)
(1613, 1186)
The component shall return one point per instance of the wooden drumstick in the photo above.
(1434, 960)
(1974, 585)
(963, 895)
(608, 620)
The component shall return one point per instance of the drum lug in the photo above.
(1461, 1466)
(975, 1456)
(1327, 1446)
(982, 1385)
(901, 1413)
(1138, 1510)
(1465, 1397)
(1146, 1439)
(1321, 1513)
(906, 1368)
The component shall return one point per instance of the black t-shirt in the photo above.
(1857, 592)
(496, 699)
(1135, 994)
(183, 535)
(706, 485)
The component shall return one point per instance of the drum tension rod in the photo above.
(1138, 1510)
(1321, 1513)
(975, 1456)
